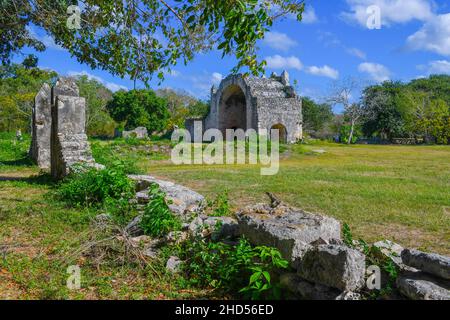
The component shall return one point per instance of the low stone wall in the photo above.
(322, 267)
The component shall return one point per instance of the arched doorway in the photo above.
(232, 109)
(282, 132)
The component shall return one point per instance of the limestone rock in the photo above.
(348, 295)
(41, 128)
(134, 227)
(290, 230)
(393, 251)
(173, 265)
(183, 201)
(204, 225)
(307, 290)
(421, 286)
(431, 263)
(138, 133)
(334, 266)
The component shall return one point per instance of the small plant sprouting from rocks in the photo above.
(157, 219)
(221, 206)
(347, 235)
(240, 268)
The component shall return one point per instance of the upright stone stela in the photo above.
(59, 128)
(41, 127)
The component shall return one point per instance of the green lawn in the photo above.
(400, 193)
(396, 192)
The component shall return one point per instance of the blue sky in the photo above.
(332, 43)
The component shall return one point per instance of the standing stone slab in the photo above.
(41, 128)
(334, 266)
(431, 263)
(290, 230)
(69, 144)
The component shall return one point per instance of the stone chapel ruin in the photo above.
(59, 137)
(255, 103)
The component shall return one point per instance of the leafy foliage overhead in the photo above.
(138, 38)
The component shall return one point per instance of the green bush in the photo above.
(157, 219)
(236, 269)
(345, 133)
(93, 188)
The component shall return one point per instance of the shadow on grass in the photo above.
(40, 179)
(22, 162)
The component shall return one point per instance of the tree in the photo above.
(341, 94)
(315, 116)
(138, 38)
(388, 106)
(137, 108)
(181, 106)
(18, 87)
(98, 120)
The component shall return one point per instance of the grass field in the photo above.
(400, 193)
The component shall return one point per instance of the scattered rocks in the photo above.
(182, 201)
(173, 265)
(138, 133)
(290, 230)
(420, 286)
(431, 263)
(334, 266)
(392, 251)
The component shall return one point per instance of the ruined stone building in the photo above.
(59, 137)
(257, 103)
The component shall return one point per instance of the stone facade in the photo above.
(59, 137)
(256, 103)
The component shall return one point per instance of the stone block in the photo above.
(431, 263)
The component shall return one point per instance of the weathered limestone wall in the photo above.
(41, 128)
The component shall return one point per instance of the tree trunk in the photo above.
(351, 133)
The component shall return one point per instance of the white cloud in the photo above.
(110, 85)
(279, 62)
(279, 41)
(376, 71)
(309, 16)
(433, 36)
(392, 11)
(436, 67)
(204, 81)
(357, 53)
(216, 78)
(324, 71)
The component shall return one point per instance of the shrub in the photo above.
(93, 188)
(220, 205)
(239, 268)
(157, 219)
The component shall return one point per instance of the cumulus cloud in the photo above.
(110, 85)
(324, 71)
(376, 71)
(434, 36)
(436, 67)
(279, 41)
(392, 11)
(279, 62)
(309, 16)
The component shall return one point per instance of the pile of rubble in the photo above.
(322, 267)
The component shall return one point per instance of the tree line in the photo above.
(159, 111)
(418, 110)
